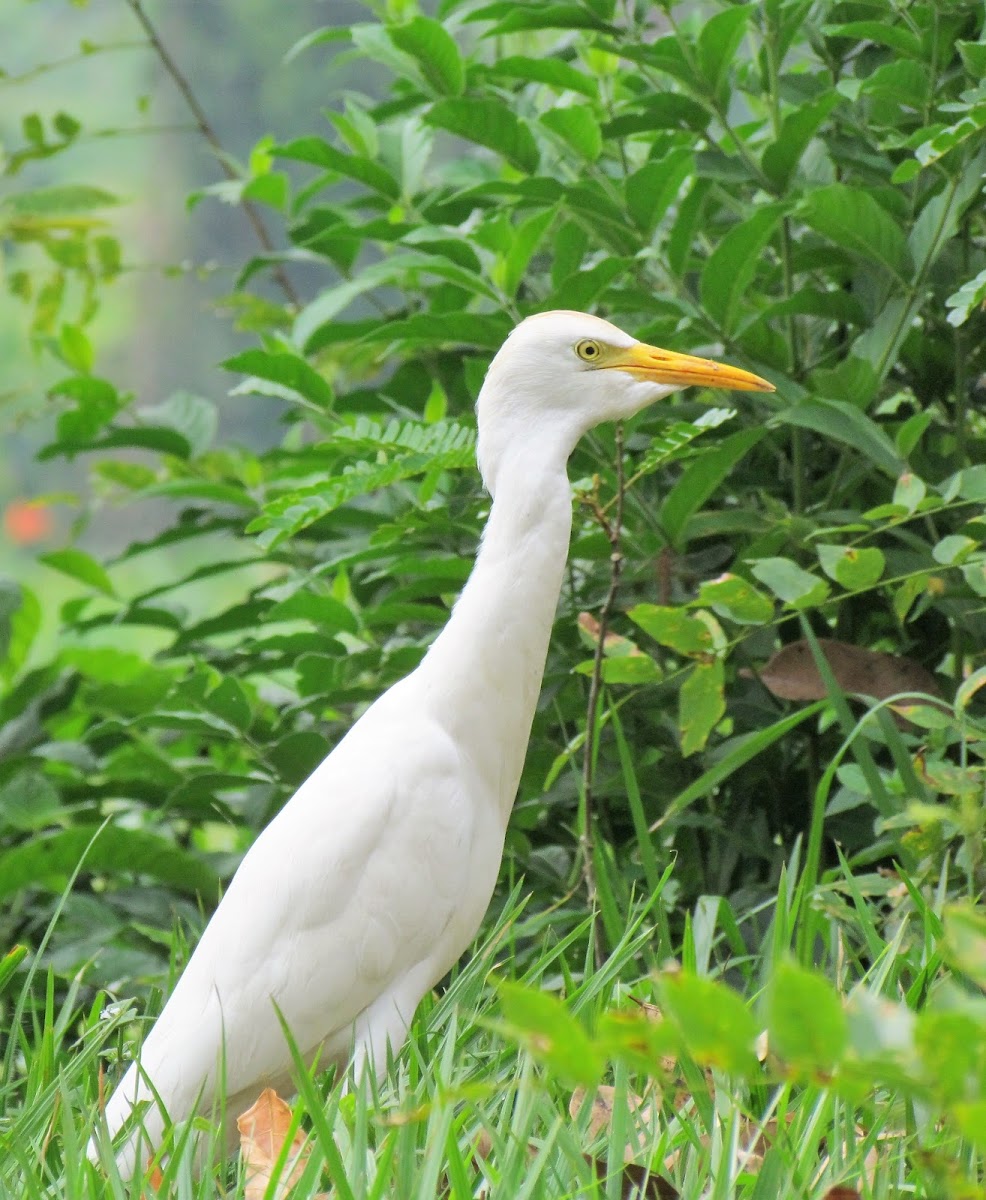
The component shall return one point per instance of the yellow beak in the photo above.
(665, 366)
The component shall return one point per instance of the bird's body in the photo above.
(370, 883)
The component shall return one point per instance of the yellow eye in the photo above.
(588, 350)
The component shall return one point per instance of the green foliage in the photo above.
(793, 185)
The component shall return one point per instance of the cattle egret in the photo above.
(370, 883)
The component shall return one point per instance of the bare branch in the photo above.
(206, 130)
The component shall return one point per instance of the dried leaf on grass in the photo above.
(753, 1142)
(792, 674)
(638, 1183)
(643, 1118)
(263, 1131)
(644, 1114)
(154, 1182)
(841, 1192)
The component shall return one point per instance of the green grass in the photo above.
(478, 1101)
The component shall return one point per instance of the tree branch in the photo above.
(206, 130)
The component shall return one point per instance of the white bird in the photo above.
(370, 883)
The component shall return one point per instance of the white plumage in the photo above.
(370, 883)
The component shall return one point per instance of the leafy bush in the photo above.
(793, 184)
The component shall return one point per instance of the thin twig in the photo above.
(613, 529)
(207, 131)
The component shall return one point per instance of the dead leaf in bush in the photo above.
(792, 674)
(263, 1131)
(613, 643)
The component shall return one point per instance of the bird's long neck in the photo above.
(484, 671)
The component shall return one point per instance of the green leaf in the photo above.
(945, 140)
(965, 941)
(883, 32)
(665, 110)
(81, 566)
(701, 704)
(75, 348)
(797, 129)
(652, 190)
(972, 294)
(853, 568)
(844, 422)
(288, 371)
(47, 860)
(576, 125)
(701, 478)
(435, 51)
(230, 701)
(715, 1026)
(117, 681)
(732, 265)
(736, 599)
(353, 166)
(297, 755)
(938, 221)
(970, 1117)
(28, 801)
(551, 71)
(543, 1024)
(852, 219)
(526, 240)
(910, 491)
(326, 611)
(673, 627)
(9, 964)
(719, 41)
(514, 18)
(807, 1024)
(195, 418)
(489, 123)
(394, 270)
(673, 439)
(633, 670)
(789, 582)
(58, 201)
(952, 549)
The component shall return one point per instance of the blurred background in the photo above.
(92, 62)
(85, 100)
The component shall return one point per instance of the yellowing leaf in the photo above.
(264, 1128)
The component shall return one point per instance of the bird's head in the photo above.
(559, 374)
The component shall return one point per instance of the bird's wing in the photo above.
(354, 886)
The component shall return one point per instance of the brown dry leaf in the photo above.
(753, 1143)
(637, 1178)
(643, 1114)
(791, 674)
(638, 1182)
(154, 1181)
(263, 1130)
(842, 1192)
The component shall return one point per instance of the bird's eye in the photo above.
(588, 350)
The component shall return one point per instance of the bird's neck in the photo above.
(484, 671)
